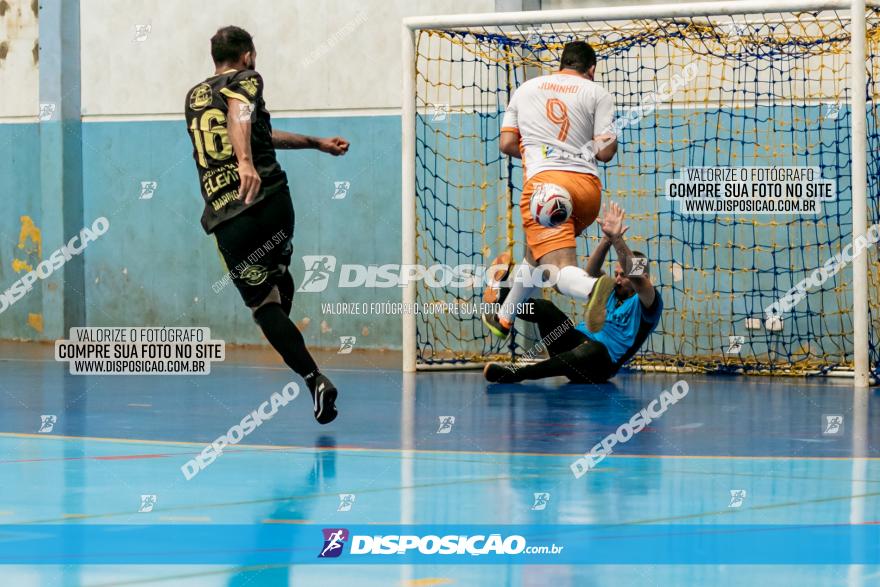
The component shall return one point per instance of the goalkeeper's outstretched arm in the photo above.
(614, 229)
(597, 257)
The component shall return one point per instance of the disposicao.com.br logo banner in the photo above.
(430, 544)
(286, 544)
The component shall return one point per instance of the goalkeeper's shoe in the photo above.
(602, 289)
(500, 373)
(495, 293)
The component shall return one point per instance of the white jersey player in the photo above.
(560, 125)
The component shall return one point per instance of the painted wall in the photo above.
(20, 238)
(20, 242)
(19, 59)
(155, 265)
(327, 56)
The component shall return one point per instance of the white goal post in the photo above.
(858, 137)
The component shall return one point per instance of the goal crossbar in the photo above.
(643, 12)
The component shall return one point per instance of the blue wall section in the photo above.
(20, 194)
(364, 227)
(61, 163)
(156, 266)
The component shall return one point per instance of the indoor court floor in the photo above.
(116, 439)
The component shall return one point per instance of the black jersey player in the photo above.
(247, 201)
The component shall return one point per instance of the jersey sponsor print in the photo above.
(207, 113)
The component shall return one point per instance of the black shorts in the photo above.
(256, 246)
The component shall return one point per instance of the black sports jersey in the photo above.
(206, 114)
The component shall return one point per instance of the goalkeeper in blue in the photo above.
(632, 313)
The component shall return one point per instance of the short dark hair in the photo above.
(579, 56)
(229, 43)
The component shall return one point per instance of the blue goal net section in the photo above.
(766, 97)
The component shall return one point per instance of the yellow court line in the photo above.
(282, 447)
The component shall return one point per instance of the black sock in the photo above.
(552, 367)
(501, 373)
(285, 288)
(286, 338)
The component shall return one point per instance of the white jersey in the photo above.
(557, 115)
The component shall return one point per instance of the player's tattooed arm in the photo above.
(510, 143)
(290, 140)
(613, 228)
(238, 128)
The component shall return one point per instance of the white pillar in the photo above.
(408, 194)
(859, 169)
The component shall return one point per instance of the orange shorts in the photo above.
(586, 197)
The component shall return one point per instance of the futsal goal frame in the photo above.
(858, 127)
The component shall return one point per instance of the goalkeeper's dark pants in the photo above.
(572, 354)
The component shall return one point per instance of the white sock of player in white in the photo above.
(520, 291)
(575, 282)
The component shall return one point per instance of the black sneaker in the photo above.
(603, 288)
(499, 373)
(323, 398)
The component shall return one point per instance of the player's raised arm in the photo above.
(614, 228)
(238, 127)
(289, 140)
